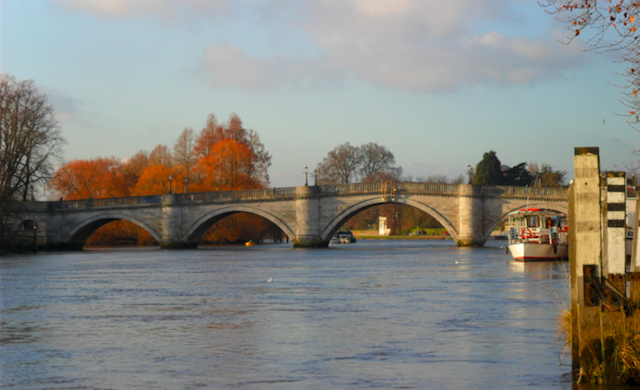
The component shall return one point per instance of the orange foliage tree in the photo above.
(155, 181)
(95, 178)
(133, 168)
(228, 167)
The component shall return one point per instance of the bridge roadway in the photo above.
(308, 215)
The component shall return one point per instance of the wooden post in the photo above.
(614, 260)
(585, 245)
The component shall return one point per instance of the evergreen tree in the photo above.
(518, 175)
(488, 171)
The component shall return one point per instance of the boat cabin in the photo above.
(537, 226)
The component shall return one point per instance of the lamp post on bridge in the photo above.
(35, 238)
(186, 182)
(306, 173)
(470, 170)
(170, 188)
(315, 177)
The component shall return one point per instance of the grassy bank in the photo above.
(609, 347)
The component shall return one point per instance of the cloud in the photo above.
(64, 105)
(431, 46)
(425, 46)
(228, 66)
(128, 9)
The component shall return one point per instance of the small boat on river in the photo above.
(343, 237)
(538, 235)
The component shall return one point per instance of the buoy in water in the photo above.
(249, 243)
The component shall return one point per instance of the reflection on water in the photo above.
(542, 269)
(377, 314)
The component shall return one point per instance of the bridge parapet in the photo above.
(290, 193)
(428, 187)
(351, 188)
(547, 192)
(384, 187)
(199, 198)
(81, 204)
(239, 196)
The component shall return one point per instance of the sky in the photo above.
(439, 83)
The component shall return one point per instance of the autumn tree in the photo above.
(133, 167)
(611, 26)
(228, 167)
(215, 132)
(155, 181)
(95, 178)
(183, 152)
(161, 155)
(211, 134)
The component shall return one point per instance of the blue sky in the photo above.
(437, 82)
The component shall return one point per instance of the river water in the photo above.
(376, 314)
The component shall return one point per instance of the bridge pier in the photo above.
(172, 224)
(307, 219)
(470, 209)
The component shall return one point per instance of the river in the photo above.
(376, 314)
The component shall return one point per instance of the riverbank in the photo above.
(373, 235)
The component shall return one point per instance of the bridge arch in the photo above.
(344, 216)
(564, 209)
(27, 225)
(79, 234)
(199, 227)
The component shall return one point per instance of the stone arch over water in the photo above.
(344, 216)
(197, 230)
(78, 236)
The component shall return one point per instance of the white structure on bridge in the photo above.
(308, 215)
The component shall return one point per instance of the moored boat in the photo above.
(538, 235)
(344, 237)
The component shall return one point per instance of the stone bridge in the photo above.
(308, 215)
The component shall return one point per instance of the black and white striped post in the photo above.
(614, 259)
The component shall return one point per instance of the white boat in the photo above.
(344, 237)
(538, 235)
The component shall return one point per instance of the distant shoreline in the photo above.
(367, 237)
(371, 235)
